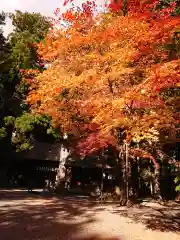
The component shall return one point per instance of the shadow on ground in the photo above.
(21, 194)
(162, 218)
(34, 217)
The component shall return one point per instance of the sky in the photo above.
(45, 7)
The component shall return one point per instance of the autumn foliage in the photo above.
(110, 73)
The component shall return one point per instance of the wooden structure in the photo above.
(44, 162)
(84, 175)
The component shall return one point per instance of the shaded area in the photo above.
(33, 216)
(163, 218)
(45, 217)
(21, 194)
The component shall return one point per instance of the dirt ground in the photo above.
(37, 217)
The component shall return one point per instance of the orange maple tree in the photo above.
(110, 71)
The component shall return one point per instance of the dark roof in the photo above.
(45, 151)
(86, 163)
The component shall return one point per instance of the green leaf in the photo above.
(49, 131)
(178, 188)
(177, 179)
(9, 120)
(3, 132)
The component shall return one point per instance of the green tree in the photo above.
(29, 28)
(5, 66)
(19, 127)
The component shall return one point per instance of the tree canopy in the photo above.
(29, 28)
(20, 52)
(113, 76)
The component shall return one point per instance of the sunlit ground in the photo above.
(34, 216)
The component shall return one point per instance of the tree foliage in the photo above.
(5, 66)
(29, 28)
(108, 81)
(176, 180)
(20, 54)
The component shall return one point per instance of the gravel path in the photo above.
(34, 217)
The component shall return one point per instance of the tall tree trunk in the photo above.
(124, 178)
(123, 198)
(139, 177)
(135, 178)
(127, 169)
(151, 188)
(61, 173)
(118, 174)
(157, 189)
(132, 187)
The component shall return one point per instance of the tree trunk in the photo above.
(118, 174)
(124, 178)
(135, 178)
(132, 190)
(61, 173)
(157, 190)
(123, 197)
(127, 169)
(151, 188)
